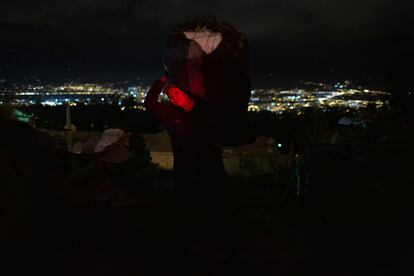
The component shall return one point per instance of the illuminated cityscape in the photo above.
(71, 93)
(320, 96)
(298, 100)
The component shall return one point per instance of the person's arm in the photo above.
(163, 112)
(188, 104)
(200, 108)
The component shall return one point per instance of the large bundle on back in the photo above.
(209, 60)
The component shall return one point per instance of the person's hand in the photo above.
(179, 98)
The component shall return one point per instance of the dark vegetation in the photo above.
(311, 127)
(341, 210)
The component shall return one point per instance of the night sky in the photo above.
(368, 41)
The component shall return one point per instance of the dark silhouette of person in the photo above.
(198, 160)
